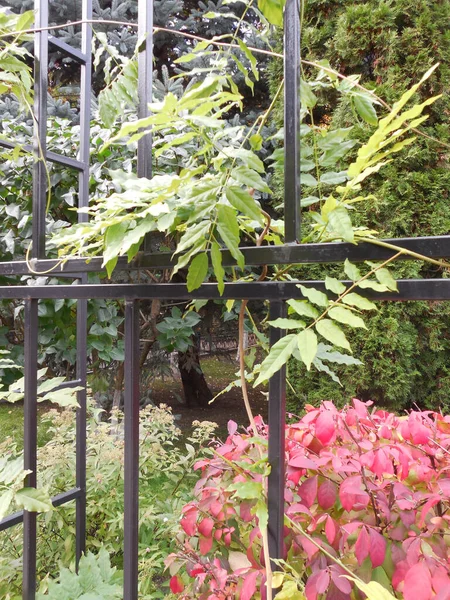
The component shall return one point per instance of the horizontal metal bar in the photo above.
(53, 157)
(67, 49)
(409, 289)
(17, 517)
(334, 252)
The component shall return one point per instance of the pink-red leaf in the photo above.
(308, 491)
(362, 546)
(417, 585)
(325, 426)
(249, 585)
(377, 548)
(327, 494)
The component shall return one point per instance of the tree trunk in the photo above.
(195, 388)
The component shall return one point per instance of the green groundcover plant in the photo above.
(367, 497)
(166, 480)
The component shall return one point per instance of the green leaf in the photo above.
(287, 324)
(261, 511)
(343, 315)
(278, 356)
(307, 96)
(365, 109)
(385, 278)
(332, 178)
(244, 202)
(334, 285)
(219, 272)
(198, 269)
(307, 345)
(303, 308)
(290, 591)
(351, 270)
(5, 503)
(250, 178)
(228, 228)
(353, 299)
(331, 332)
(247, 490)
(34, 500)
(113, 242)
(314, 296)
(272, 10)
(339, 221)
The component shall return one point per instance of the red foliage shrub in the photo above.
(371, 488)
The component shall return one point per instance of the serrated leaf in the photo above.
(334, 285)
(303, 308)
(353, 299)
(198, 269)
(351, 270)
(278, 356)
(307, 345)
(287, 323)
(331, 332)
(343, 315)
(314, 296)
(219, 272)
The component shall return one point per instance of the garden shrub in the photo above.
(367, 495)
(166, 479)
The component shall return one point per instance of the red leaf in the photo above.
(232, 427)
(351, 494)
(326, 495)
(419, 433)
(377, 548)
(417, 584)
(362, 546)
(176, 585)
(302, 462)
(330, 530)
(249, 585)
(342, 583)
(189, 521)
(205, 527)
(308, 491)
(325, 427)
(432, 501)
(205, 544)
(323, 581)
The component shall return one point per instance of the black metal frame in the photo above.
(77, 268)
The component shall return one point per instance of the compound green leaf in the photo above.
(331, 332)
(353, 299)
(278, 356)
(334, 285)
(303, 308)
(198, 269)
(307, 345)
(219, 272)
(343, 315)
(314, 296)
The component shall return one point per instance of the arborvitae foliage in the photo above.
(406, 349)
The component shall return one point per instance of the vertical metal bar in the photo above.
(40, 129)
(292, 121)
(85, 109)
(145, 79)
(277, 420)
(131, 475)
(30, 445)
(83, 201)
(80, 511)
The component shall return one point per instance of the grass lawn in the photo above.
(11, 424)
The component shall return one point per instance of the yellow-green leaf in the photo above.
(198, 269)
(331, 332)
(278, 356)
(343, 315)
(307, 345)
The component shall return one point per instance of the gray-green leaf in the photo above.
(307, 345)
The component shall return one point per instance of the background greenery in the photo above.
(406, 349)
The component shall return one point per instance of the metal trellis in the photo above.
(77, 269)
